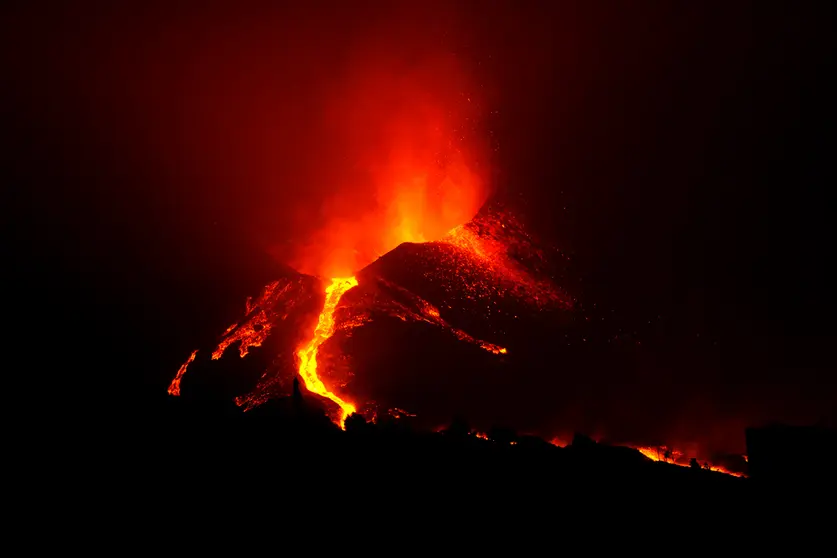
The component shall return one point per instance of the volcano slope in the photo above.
(473, 325)
(431, 329)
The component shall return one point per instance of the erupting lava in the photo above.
(325, 328)
(472, 259)
(486, 261)
(676, 457)
(401, 222)
(174, 387)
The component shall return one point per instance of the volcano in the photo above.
(412, 333)
(475, 324)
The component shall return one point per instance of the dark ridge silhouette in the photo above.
(194, 441)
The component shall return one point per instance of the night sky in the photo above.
(156, 160)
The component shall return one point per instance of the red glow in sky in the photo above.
(408, 165)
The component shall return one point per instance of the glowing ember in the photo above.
(660, 453)
(174, 387)
(397, 413)
(394, 301)
(496, 246)
(325, 328)
(255, 328)
(719, 469)
(675, 457)
(261, 314)
(560, 442)
(651, 453)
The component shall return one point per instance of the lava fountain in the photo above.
(409, 163)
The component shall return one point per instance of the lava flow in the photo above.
(675, 457)
(472, 260)
(174, 387)
(325, 328)
(485, 264)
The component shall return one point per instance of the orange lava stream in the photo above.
(658, 454)
(174, 387)
(325, 328)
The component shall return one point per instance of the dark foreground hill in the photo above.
(289, 446)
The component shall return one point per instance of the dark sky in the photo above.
(155, 156)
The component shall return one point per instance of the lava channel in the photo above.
(325, 328)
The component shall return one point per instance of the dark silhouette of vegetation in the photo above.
(502, 435)
(387, 456)
(356, 425)
(458, 428)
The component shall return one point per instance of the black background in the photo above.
(678, 151)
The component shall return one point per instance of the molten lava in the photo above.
(257, 324)
(471, 259)
(485, 262)
(174, 387)
(325, 328)
(676, 457)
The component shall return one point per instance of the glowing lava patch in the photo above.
(174, 387)
(325, 328)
